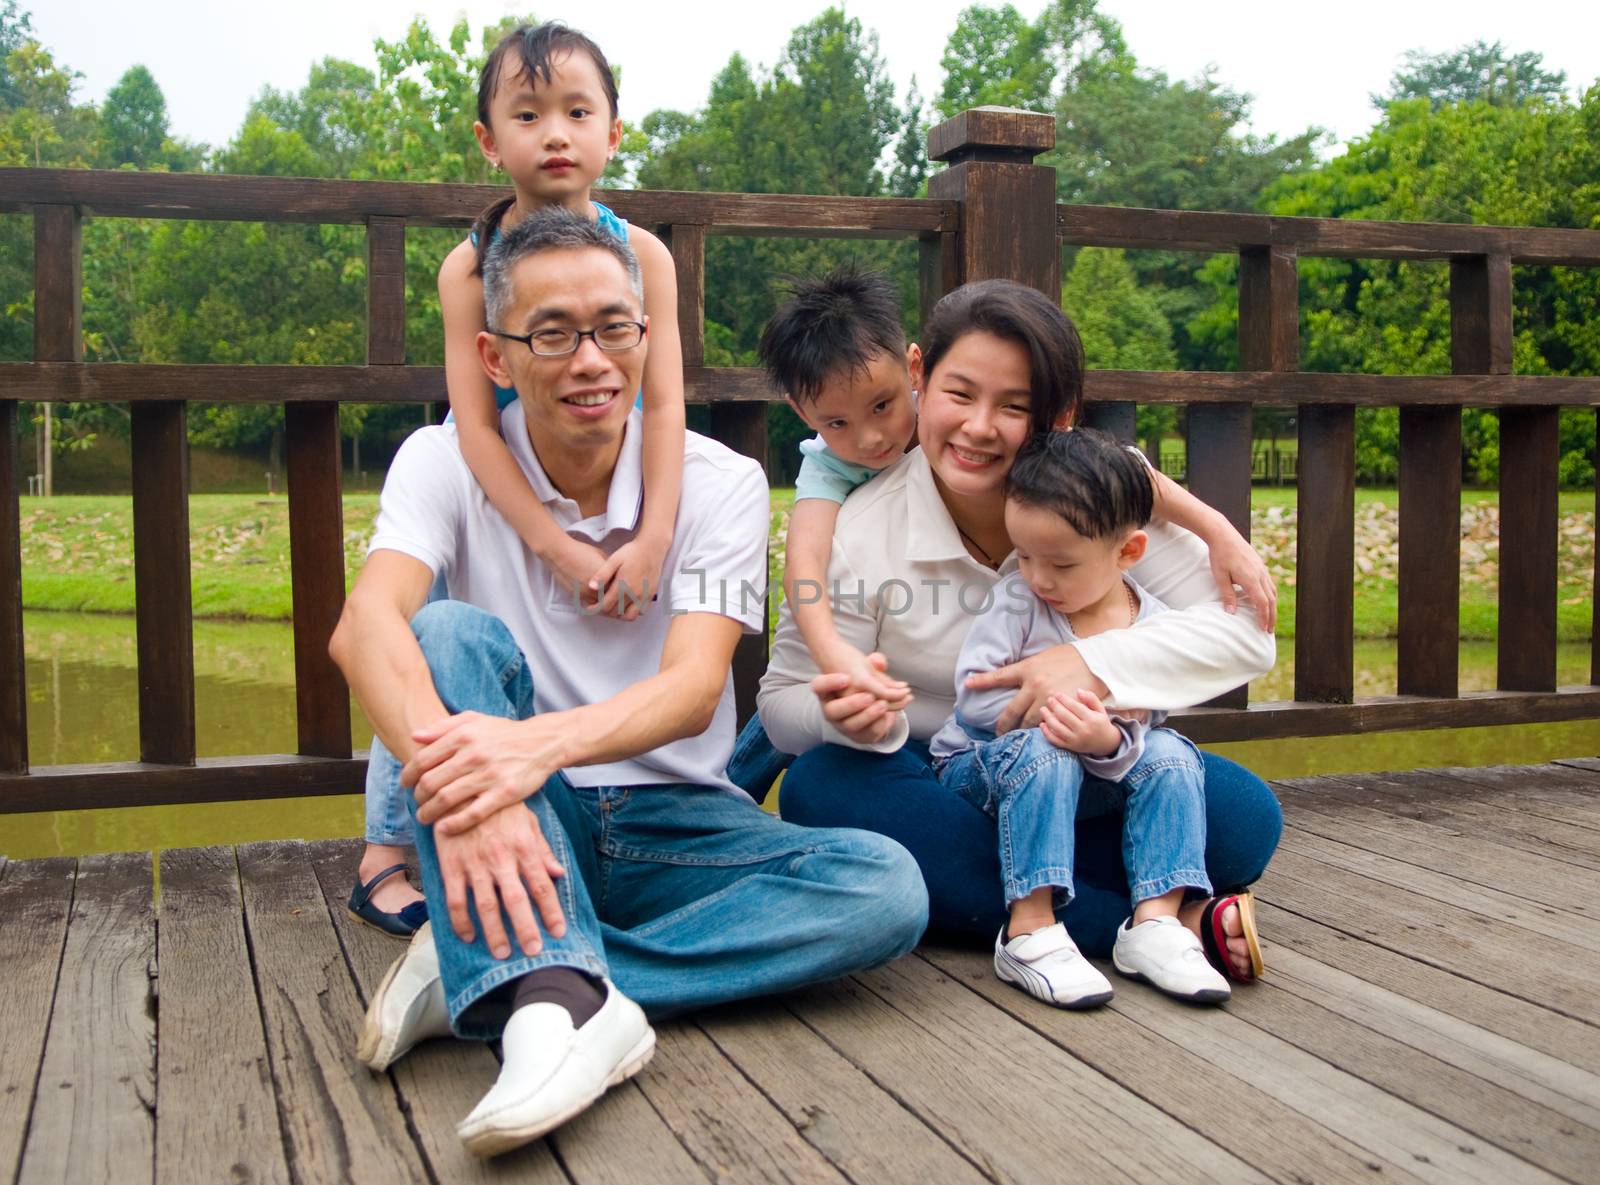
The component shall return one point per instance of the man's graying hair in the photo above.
(553, 229)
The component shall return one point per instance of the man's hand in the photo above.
(862, 716)
(1057, 671)
(624, 584)
(1236, 566)
(504, 861)
(471, 766)
(1080, 724)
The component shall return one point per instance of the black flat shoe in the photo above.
(397, 925)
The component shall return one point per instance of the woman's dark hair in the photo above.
(535, 46)
(1100, 486)
(834, 324)
(1016, 313)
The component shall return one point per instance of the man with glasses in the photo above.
(575, 824)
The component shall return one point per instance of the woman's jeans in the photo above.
(955, 844)
(683, 895)
(1037, 792)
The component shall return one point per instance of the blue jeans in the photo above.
(755, 764)
(1036, 792)
(955, 843)
(684, 895)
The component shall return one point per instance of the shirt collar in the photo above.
(931, 533)
(624, 499)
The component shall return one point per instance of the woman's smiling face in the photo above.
(975, 412)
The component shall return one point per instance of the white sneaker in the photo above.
(1047, 966)
(551, 1071)
(1165, 953)
(408, 1006)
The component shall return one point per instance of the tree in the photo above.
(134, 120)
(998, 57)
(1529, 165)
(1473, 73)
(1122, 328)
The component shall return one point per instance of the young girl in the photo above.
(547, 117)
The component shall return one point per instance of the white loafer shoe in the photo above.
(408, 1006)
(1048, 966)
(551, 1071)
(1163, 952)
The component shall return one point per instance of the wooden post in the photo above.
(1481, 336)
(1008, 203)
(316, 564)
(740, 426)
(163, 602)
(13, 685)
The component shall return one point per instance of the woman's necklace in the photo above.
(988, 560)
(1133, 608)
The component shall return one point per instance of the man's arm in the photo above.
(374, 646)
(469, 766)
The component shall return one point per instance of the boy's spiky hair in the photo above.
(836, 323)
(1100, 487)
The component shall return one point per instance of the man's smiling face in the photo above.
(580, 401)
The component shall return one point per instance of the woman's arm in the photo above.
(478, 427)
(1233, 560)
(800, 706)
(1188, 655)
(633, 573)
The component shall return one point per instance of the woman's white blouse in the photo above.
(901, 582)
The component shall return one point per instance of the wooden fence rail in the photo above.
(991, 213)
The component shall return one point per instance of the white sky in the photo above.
(1305, 64)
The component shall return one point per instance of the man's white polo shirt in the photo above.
(433, 509)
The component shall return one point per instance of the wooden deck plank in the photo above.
(216, 1117)
(621, 1140)
(989, 1087)
(340, 1123)
(35, 902)
(1540, 970)
(1338, 811)
(94, 1116)
(1416, 796)
(439, 1081)
(728, 1127)
(1284, 1143)
(1498, 1012)
(1519, 1126)
(1392, 1128)
(1556, 1084)
(839, 1110)
(1490, 903)
(1555, 792)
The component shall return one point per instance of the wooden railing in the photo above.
(992, 212)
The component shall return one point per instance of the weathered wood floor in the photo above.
(1431, 1014)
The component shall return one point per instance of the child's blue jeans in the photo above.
(1037, 792)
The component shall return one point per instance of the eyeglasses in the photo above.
(613, 337)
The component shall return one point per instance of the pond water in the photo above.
(83, 695)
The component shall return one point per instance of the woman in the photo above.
(915, 553)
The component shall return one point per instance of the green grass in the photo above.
(78, 556)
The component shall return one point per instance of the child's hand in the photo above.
(1080, 725)
(630, 579)
(574, 565)
(1235, 562)
(865, 674)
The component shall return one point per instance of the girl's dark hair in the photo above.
(1017, 313)
(831, 325)
(535, 46)
(1100, 486)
